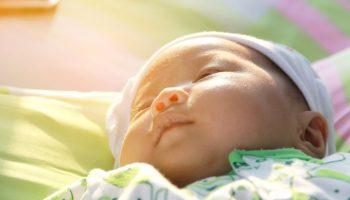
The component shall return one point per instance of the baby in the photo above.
(219, 115)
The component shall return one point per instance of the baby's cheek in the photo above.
(231, 113)
(137, 146)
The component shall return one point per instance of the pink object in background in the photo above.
(316, 25)
(327, 71)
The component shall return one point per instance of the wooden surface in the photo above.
(95, 44)
(56, 49)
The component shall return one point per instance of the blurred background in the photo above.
(96, 45)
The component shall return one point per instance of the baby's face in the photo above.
(240, 105)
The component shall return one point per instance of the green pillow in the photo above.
(50, 139)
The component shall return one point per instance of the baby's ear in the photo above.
(313, 133)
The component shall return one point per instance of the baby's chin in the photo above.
(175, 168)
(182, 176)
(178, 174)
(182, 172)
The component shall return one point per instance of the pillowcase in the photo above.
(50, 139)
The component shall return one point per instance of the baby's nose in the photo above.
(167, 98)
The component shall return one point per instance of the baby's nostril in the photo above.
(160, 106)
(173, 98)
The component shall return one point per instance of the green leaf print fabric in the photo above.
(256, 174)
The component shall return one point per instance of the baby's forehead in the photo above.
(203, 52)
(185, 59)
(204, 47)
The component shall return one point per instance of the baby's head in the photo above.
(201, 97)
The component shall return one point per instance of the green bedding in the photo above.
(48, 142)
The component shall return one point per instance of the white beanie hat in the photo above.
(292, 63)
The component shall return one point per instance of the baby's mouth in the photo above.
(167, 120)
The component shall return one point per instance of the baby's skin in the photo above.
(205, 97)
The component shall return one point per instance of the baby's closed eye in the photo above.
(207, 72)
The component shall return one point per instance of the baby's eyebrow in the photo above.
(219, 57)
(230, 64)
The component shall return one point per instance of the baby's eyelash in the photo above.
(201, 77)
(207, 73)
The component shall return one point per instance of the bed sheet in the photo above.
(49, 139)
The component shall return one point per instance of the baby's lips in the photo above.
(167, 120)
